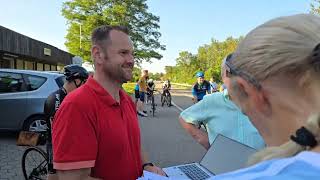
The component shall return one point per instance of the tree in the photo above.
(89, 14)
(136, 73)
(208, 59)
(315, 7)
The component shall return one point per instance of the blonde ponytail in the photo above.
(289, 148)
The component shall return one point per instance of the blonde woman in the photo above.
(275, 79)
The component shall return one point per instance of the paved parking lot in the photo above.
(10, 157)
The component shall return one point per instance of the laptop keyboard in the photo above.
(194, 172)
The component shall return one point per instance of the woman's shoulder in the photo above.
(305, 164)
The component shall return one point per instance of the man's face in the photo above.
(200, 80)
(118, 61)
(145, 74)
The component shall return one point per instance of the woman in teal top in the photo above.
(220, 116)
(275, 79)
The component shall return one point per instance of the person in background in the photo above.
(150, 89)
(213, 86)
(136, 93)
(75, 76)
(166, 87)
(200, 88)
(220, 116)
(142, 93)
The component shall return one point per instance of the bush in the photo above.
(129, 87)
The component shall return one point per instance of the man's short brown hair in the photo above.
(101, 34)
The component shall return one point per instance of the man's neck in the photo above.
(69, 87)
(112, 87)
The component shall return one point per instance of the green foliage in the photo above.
(315, 7)
(129, 88)
(208, 59)
(90, 14)
(156, 76)
(136, 73)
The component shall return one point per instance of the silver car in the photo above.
(22, 97)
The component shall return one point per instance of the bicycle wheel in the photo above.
(168, 100)
(162, 100)
(153, 106)
(34, 164)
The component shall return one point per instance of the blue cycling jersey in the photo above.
(200, 90)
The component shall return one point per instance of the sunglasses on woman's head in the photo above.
(233, 71)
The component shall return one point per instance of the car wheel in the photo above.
(35, 123)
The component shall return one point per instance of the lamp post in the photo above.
(80, 35)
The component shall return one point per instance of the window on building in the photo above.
(34, 82)
(11, 82)
(28, 65)
(39, 67)
(47, 67)
(53, 68)
(60, 67)
(7, 62)
(19, 64)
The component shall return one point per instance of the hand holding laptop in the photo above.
(155, 170)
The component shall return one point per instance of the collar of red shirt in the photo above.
(106, 97)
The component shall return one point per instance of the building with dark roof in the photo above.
(18, 51)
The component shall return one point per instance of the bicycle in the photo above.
(166, 98)
(38, 168)
(41, 161)
(151, 98)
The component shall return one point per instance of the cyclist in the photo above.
(200, 88)
(75, 77)
(166, 87)
(150, 88)
(150, 85)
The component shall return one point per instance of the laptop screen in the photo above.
(226, 155)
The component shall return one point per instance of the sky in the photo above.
(184, 24)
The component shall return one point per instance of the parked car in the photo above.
(22, 97)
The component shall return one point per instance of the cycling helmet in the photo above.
(74, 71)
(150, 81)
(200, 74)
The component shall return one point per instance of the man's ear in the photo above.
(257, 97)
(95, 51)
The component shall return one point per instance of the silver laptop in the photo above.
(224, 155)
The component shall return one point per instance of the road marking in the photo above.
(175, 105)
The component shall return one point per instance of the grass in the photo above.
(181, 87)
(129, 88)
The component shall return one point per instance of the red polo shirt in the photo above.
(92, 130)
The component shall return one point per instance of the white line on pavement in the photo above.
(175, 105)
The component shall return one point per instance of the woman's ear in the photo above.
(257, 98)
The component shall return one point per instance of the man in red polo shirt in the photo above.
(96, 133)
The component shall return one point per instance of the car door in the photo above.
(37, 93)
(13, 100)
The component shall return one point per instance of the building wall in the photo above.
(21, 52)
